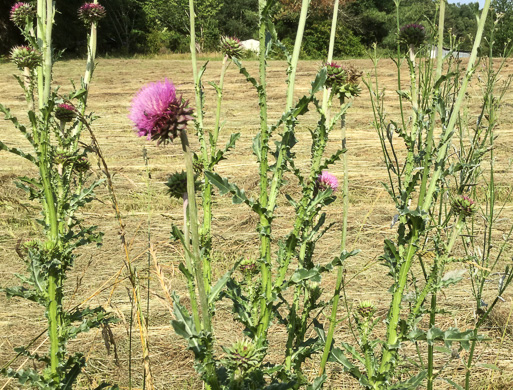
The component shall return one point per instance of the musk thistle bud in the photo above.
(412, 34)
(336, 75)
(20, 12)
(25, 57)
(177, 185)
(366, 309)
(464, 206)
(248, 266)
(158, 114)
(65, 112)
(242, 357)
(91, 13)
(81, 164)
(231, 47)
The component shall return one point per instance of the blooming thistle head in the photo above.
(65, 112)
(91, 12)
(25, 57)
(20, 12)
(158, 114)
(412, 34)
(366, 309)
(326, 180)
(464, 206)
(231, 47)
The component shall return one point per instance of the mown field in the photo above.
(99, 277)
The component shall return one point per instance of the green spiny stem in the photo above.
(47, 50)
(295, 54)
(292, 328)
(193, 222)
(331, 48)
(395, 307)
(41, 23)
(410, 163)
(399, 56)
(54, 304)
(430, 352)
(430, 136)
(340, 270)
(455, 112)
(291, 81)
(206, 234)
(211, 380)
(265, 225)
(190, 267)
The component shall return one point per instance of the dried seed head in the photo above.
(91, 13)
(25, 57)
(81, 164)
(231, 47)
(20, 12)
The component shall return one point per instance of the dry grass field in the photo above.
(99, 275)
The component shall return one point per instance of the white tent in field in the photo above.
(454, 53)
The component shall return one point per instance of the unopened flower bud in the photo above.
(231, 47)
(463, 205)
(25, 57)
(366, 309)
(20, 12)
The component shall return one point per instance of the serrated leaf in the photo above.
(214, 292)
(304, 274)
(338, 356)
(319, 81)
(318, 382)
(18, 152)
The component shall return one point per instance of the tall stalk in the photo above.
(265, 223)
(340, 270)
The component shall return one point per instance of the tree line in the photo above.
(159, 26)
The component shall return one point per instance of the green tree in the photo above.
(504, 33)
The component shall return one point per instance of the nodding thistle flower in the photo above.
(326, 180)
(25, 57)
(231, 47)
(336, 75)
(366, 309)
(91, 12)
(464, 206)
(177, 185)
(20, 12)
(412, 34)
(65, 112)
(158, 114)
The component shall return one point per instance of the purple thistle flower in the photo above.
(413, 34)
(20, 11)
(65, 112)
(157, 113)
(326, 180)
(91, 12)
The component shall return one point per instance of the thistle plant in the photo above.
(436, 201)
(293, 271)
(62, 187)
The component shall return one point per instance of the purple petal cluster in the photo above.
(326, 180)
(91, 12)
(157, 113)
